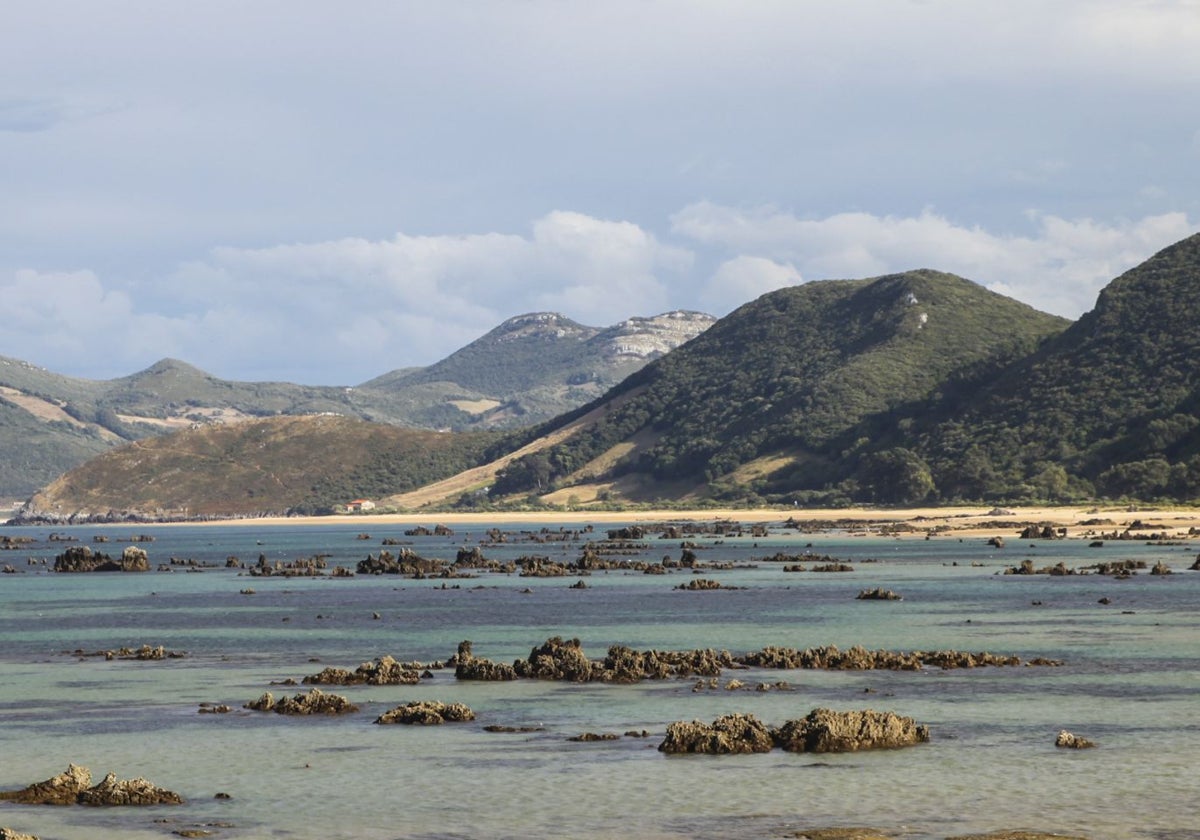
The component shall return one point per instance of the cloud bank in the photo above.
(343, 311)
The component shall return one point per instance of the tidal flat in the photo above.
(1129, 672)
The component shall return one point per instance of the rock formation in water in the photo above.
(80, 558)
(312, 702)
(1070, 740)
(73, 786)
(10, 834)
(825, 730)
(427, 713)
(383, 671)
(728, 734)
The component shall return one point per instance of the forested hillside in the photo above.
(788, 378)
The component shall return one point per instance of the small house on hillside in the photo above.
(359, 505)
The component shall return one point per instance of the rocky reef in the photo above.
(427, 713)
(559, 659)
(1071, 741)
(312, 702)
(383, 671)
(564, 660)
(822, 731)
(74, 786)
(11, 834)
(727, 735)
(80, 558)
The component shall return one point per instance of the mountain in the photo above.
(273, 465)
(527, 370)
(769, 399)
(534, 367)
(1111, 407)
(920, 387)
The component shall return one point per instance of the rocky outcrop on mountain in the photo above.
(80, 558)
(312, 702)
(74, 786)
(648, 338)
(427, 713)
(825, 730)
(728, 734)
(383, 671)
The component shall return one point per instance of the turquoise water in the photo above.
(1130, 683)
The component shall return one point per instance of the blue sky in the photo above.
(320, 192)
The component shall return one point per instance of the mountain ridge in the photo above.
(50, 423)
(913, 388)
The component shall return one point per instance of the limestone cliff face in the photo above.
(649, 338)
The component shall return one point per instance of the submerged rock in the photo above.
(588, 737)
(878, 594)
(1071, 741)
(427, 713)
(728, 734)
(842, 834)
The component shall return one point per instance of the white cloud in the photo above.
(346, 310)
(1059, 269)
(350, 309)
(742, 279)
(71, 321)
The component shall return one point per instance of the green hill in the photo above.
(919, 387)
(1111, 407)
(529, 369)
(766, 397)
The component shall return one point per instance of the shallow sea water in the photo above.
(1130, 683)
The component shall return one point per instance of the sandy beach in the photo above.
(913, 522)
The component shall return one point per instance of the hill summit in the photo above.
(772, 389)
(1111, 407)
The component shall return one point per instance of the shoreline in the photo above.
(920, 522)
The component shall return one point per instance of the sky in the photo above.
(322, 192)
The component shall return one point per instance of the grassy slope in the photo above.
(268, 465)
